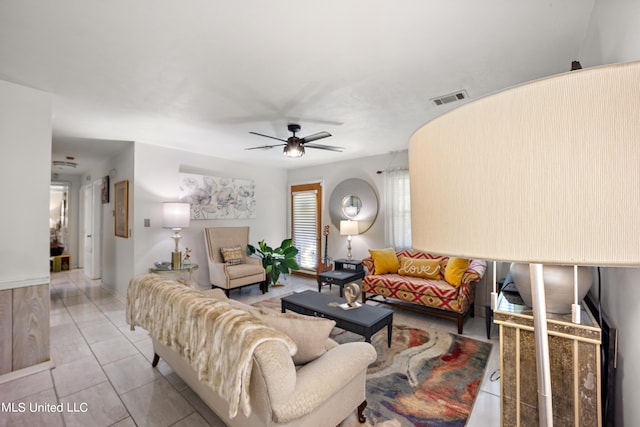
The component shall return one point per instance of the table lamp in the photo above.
(349, 228)
(544, 173)
(176, 216)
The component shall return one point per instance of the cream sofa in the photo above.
(322, 392)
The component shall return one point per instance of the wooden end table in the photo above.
(346, 271)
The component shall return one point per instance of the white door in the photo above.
(91, 229)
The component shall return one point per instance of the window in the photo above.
(305, 224)
(397, 203)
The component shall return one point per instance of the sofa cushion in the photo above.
(416, 285)
(385, 260)
(454, 270)
(309, 333)
(424, 268)
(232, 255)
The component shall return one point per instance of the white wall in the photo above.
(25, 147)
(118, 252)
(156, 181)
(614, 36)
(332, 175)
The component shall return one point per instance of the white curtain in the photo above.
(397, 205)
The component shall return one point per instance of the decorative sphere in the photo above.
(558, 285)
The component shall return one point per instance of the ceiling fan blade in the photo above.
(265, 147)
(268, 136)
(315, 137)
(324, 147)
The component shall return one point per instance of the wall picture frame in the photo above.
(121, 210)
(213, 197)
(104, 190)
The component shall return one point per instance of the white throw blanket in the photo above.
(217, 339)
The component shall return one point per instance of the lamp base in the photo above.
(176, 260)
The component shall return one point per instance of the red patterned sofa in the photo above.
(434, 296)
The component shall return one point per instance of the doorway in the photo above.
(90, 253)
(59, 218)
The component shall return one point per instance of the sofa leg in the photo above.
(460, 319)
(361, 407)
(472, 310)
(156, 359)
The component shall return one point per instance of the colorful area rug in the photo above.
(427, 377)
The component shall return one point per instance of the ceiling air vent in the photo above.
(452, 97)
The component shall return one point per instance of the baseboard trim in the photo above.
(25, 372)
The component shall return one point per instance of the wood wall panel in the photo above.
(6, 331)
(30, 326)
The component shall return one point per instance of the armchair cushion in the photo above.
(238, 271)
(232, 255)
(309, 333)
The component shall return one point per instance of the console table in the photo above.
(346, 271)
(575, 366)
(59, 263)
(185, 268)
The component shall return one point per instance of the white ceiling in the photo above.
(199, 75)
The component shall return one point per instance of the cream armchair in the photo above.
(241, 270)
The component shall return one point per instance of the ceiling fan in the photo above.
(294, 146)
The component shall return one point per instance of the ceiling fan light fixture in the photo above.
(294, 149)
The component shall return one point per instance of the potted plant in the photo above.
(275, 260)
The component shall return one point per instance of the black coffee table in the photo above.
(365, 320)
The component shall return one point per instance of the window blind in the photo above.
(305, 226)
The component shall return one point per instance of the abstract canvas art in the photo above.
(217, 198)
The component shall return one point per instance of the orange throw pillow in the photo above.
(385, 261)
(454, 270)
(423, 268)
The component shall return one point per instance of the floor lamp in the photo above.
(542, 173)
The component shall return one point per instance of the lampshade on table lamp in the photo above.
(349, 228)
(176, 216)
(547, 172)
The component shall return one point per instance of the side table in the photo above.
(59, 263)
(346, 271)
(188, 268)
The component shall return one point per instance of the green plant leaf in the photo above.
(291, 252)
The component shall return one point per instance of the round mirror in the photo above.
(351, 206)
(356, 200)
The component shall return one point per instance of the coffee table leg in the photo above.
(389, 329)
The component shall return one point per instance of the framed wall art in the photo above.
(216, 198)
(104, 190)
(121, 211)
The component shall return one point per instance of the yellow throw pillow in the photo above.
(385, 260)
(454, 270)
(423, 268)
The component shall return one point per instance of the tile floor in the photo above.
(103, 376)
